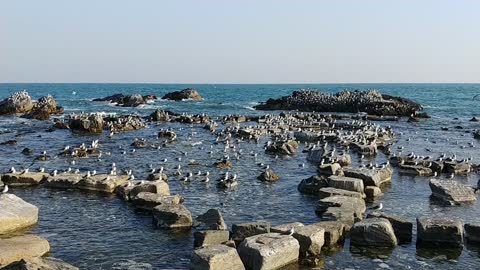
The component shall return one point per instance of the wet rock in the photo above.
(474, 119)
(441, 231)
(148, 200)
(157, 176)
(43, 108)
(341, 208)
(27, 151)
(223, 164)
(372, 192)
(101, 182)
(131, 188)
(189, 93)
(346, 183)
(172, 216)
(329, 192)
(288, 147)
(88, 123)
(472, 231)
(416, 170)
(18, 102)
(269, 251)
(127, 100)
(244, 230)
(15, 213)
(9, 142)
(38, 263)
(124, 123)
(139, 143)
(312, 185)
(370, 177)
(457, 168)
(401, 226)
(22, 247)
(451, 192)
(268, 176)
(377, 232)
(371, 102)
(334, 231)
(217, 257)
(311, 239)
(285, 228)
(329, 169)
(163, 116)
(210, 237)
(213, 220)
(365, 149)
(24, 179)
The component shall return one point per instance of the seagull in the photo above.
(377, 207)
(12, 170)
(54, 173)
(5, 189)
(475, 189)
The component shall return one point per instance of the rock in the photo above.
(457, 168)
(451, 192)
(334, 231)
(15, 213)
(244, 230)
(346, 183)
(139, 144)
(124, 123)
(341, 208)
(328, 192)
(269, 251)
(43, 108)
(441, 231)
(217, 257)
(18, 102)
(210, 237)
(22, 247)
(312, 185)
(285, 228)
(9, 142)
(157, 176)
(268, 176)
(372, 192)
(472, 231)
(38, 263)
(377, 232)
(132, 188)
(311, 239)
(87, 123)
(288, 147)
(148, 200)
(27, 151)
(172, 216)
(474, 119)
(329, 169)
(213, 220)
(163, 116)
(416, 170)
(189, 93)
(102, 182)
(24, 179)
(223, 164)
(401, 226)
(372, 102)
(370, 177)
(364, 149)
(127, 100)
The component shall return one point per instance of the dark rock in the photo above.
(189, 93)
(127, 100)
(472, 231)
(312, 185)
(401, 226)
(27, 151)
(451, 192)
(441, 231)
(91, 123)
(172, 216)
(213, 220)
(377, 232)
(210, 237)
(268, 176)
(244, 230)
(9, 142)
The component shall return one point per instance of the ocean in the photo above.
(95, 231)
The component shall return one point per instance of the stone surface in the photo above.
(401, 226)
(15, 213)
(329, 169)
(217, 257)
(22, 247)
(148, 200)
(346, 183)
(269, 251)
(244, 230)
(88, 123)
(18, 102)
(213, 220)
(334, 231)
(24, 179)
(101, 182)
(210, 237)
(172, 216)
(370, 177)
(189, 93)
(416, 170)
(341, 208)
(330, 191)
(451, 192)
(311, 239)
(39, 263)
(268, 176)
(282, 147)
(312, 185)
(373, 192)
(442, 231)
(472, 231)
(377, 232)
(285, 228)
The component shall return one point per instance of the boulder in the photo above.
(285, 228)
(22, 247)
(329, 192)
(244, 230)
(43, 108)
(223, 164)
(441, 231)
(189, 93)
(416, 170)
(457, 168)
(334, 231)
(370, 177)
(163, 116)
(18, 102)
(268, 176)
(148, 200)
(24, 179)
(87, 123)
(157, 176)
(213, 220)
(15, 213)
(172, 216)
(451, 192)
(210, 237)
(341, 208)
(157, 187)
(312, 185)
(38, 263)
(372, 192)
(269, 251)
(329, 169)
(311, 239)
(217, 257)
(401, 226)
(377, 232)
(288, 147)
(316, 155)
(127, 100)
(346, 183)
(101, 182)
(124, 122)
(472, 231)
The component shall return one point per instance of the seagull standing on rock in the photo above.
(5, 189)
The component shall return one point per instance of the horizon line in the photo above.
(238, 83)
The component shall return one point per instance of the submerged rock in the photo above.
(39, 263)
(268, 176)
(22, 247)
(189, 93)
(15, 213)
(451, 192)
(441, 231)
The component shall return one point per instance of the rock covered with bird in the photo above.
(20, 103)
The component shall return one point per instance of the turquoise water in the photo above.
(95, 231)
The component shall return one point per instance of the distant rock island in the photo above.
(189, 93)
(371, 102)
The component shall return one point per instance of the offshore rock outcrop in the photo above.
(189, 93)
(371, 102)
(128, 100)
(21, 103)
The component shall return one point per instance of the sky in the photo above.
(239, 41)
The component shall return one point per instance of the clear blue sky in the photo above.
(245, 41)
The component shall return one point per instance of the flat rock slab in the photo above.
(370, 177)
(451, 192)
(39, 263)
(24, 179)
(172, 216)
(132, 188)
(375, 232)
(346, 183)
(285, 228)
(269, 251)
(102, 182)
(401, 226)
(341, 208)
(22, 247)
(311, 239)
(15, 213)
(334, 231)
(416, 170)
(217, 257)
(330, 191)
(244, 230)
(442, 231)
(148, 200)
(210, 237)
